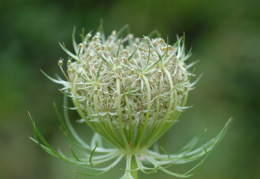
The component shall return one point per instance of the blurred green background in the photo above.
(223, 34)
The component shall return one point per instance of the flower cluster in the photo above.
(130, 91)
(128, 82)
(146, 79)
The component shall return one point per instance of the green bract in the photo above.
(129, 91)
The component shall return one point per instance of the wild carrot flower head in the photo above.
(138, 86)
(130, 91)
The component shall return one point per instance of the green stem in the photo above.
(133, 167)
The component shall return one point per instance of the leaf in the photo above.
(187, 174)
(178, 85)
(149, 56)
(71, 129)
(74, 43)
(68, 52)
(160, 58)
(101, 30)
(118, 50)
(96, 174)
(107, 62)
(92, 153)
(154, 32)
(54, 80)
(131, 56)
(98, 72)
(119, 33)
(74, 154)
(82, 34)
(165, 152)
